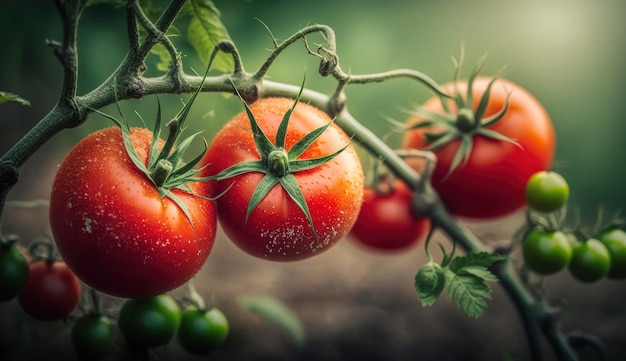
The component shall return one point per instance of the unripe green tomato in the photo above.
(590, 262)
(546, 253)
(201, 331)
(546, 191)
(149, 322)
(93, 335)
(615, 242)
(13, 272)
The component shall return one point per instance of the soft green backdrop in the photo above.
(569, 53)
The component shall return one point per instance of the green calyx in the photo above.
(277, 163)
(464, 122)
(165, 168)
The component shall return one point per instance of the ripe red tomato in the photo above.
(114, 229)
(491, 183)
(52, 291)
(277, 229)
(385, 221)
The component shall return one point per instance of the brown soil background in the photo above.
(354, 304)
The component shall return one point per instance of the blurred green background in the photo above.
(569, 53)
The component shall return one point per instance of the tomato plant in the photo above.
(93, 335)
(546, 191)
(615, 242)
(488, 143)
(546, 252)
(149, 322)
(290, 179)
(202, 330)
(13, 271)
(385, 221)
(114, 227)
(590, 262)
(52, 291)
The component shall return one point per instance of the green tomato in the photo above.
(149, 322)
(201, 331)
(546, 191)
(590, 262)
(546, 252)
(93, 335)
(13, 272)
(615, 242)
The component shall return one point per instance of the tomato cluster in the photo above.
(588, 258)
(155, 321)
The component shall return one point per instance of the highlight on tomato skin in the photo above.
(489, 182)
(385, 223)
(277, 229)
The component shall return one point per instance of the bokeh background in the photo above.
(354, 304)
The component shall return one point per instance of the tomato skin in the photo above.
(115, 231)
(277, 229)
(590, 262)
(149, 322)
(52, 291)
(615, 242)
(13, 272)
(201, 331)
(546, 253)
(492, 182)
(93, 335)
(546, 191)
(385, 221)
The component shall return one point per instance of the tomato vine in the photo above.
(128, 81)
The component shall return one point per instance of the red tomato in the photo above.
(52, 291)
(278, 229)
(385, 221)
(492, 181)
(113, 228)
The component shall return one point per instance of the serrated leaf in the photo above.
(277, 313)
(484, 259)
(468, 291)
(430, 281)
(205, 31)
(6, 97)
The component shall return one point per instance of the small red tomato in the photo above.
(385, 221)
(52, 291)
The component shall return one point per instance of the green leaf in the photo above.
(277, 313)
(467, 278)
(430, 281)
(6, 97)
(468, 292)
(484, 259)
(205, 31)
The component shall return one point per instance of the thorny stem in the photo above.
(71, 110)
